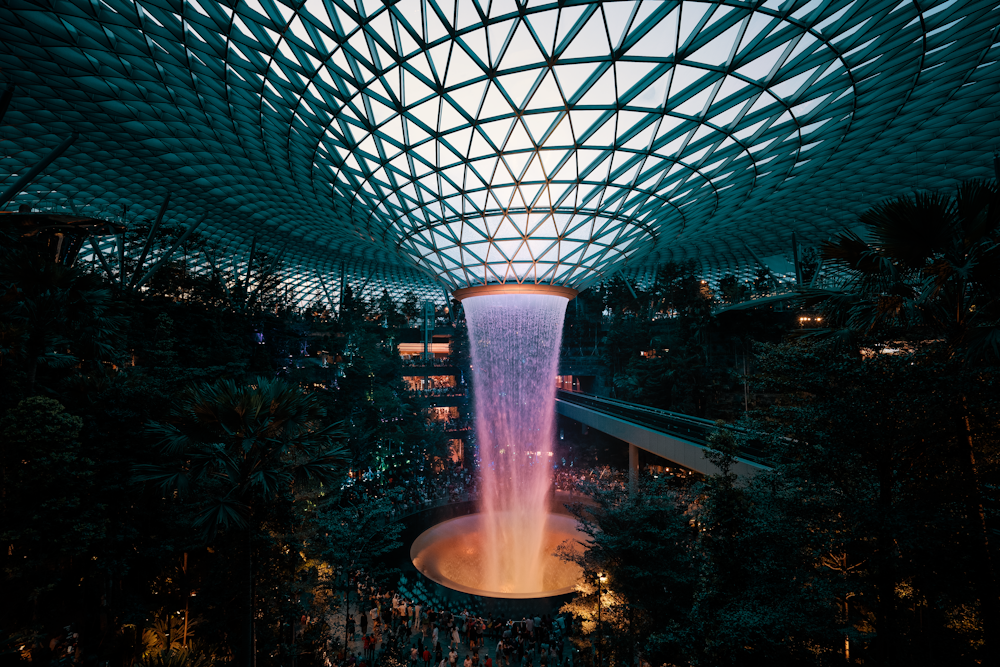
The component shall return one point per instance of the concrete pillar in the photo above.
(633, 468)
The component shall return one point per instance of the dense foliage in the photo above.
(871, 539)
(174, 459)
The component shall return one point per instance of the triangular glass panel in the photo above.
(476, 45)
(602, 92)
(498, 34)
(450, 117)
(518, 139)
(496, 131)
(495, 104)
(544, 24)
(546, 95)
(590, 41)
(692, 14)
(573, 76)
(760, 67)
(693, 106)
(467, 98)
(538, 124)
(521, 50)
(718, 50)
(414, 89)
(628, 74)
(461, 68)
(518, 85)
(568, 16)
(653, 95)
(660, 41)
(562, 135)
(616, 17)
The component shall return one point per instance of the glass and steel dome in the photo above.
(493, 141)
(550, 145)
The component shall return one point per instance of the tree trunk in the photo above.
(885, 581)
(347, 609)
(990, 605)
(32, 374)
(247, 657)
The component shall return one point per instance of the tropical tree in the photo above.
(236, 448)
(355, 537)
(52, 314)
(641, 543)
(929, 276)
(931, 271)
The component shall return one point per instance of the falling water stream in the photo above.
(515, 340)
(507, 548)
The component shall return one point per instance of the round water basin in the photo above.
(451, 553)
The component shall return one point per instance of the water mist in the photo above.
(515, 340)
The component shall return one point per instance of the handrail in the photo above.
(694, 430)
(636, 407)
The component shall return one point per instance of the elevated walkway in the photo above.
(675, 437)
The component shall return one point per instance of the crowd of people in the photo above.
(416, 491)
(427, 637)
(605, 478)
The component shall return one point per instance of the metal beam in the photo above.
(25, 179)
(795, 257)
(149, 239)
(104, 262)
(173, 248)
(770, 274)
(322, 283)
(8, 95)
(819, 267)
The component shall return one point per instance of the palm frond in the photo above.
(850, 251)
(266, 481)
(978, 206)
(983, 343)
(222, 513)
(169, 438)
(324, 469)
(911, 228)
(168, 479)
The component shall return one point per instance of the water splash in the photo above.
(515, 340)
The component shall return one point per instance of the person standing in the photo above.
(427, 657)
(416, 616)
(434, 635)
(364, 622)
(455, 640)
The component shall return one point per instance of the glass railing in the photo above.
(685, 427)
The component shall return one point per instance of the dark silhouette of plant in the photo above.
(52, 315)
(238, 447)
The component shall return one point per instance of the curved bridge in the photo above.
(679, 438)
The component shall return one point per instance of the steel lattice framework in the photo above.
(495, 140)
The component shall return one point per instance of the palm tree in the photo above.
(930, 275)
(51, 314)
(241, 447)
(932, 271)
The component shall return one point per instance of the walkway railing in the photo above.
(684, 427)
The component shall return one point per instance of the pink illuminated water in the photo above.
(515, 341)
